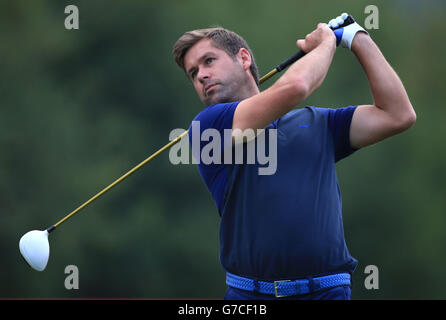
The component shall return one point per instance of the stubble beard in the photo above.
(233, 88)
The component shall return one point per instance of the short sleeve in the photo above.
(339, 121)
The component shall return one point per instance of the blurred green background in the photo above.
(79, 108)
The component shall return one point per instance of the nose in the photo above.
(203, 75)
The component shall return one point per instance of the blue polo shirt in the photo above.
(286, 225)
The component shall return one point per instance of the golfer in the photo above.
(281, 235)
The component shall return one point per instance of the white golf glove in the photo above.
(345, 35)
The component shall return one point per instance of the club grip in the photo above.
(290, 60)
(349, 20)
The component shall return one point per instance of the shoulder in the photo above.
(307, 110)
(336, 117)
(216, 110)
(217, 116)
(322, 112)
(302, 114)
(335, 112)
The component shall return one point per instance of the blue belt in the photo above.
(285, 288)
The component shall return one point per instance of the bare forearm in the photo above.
(387, 89)
(310, 71)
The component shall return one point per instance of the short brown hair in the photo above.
(224, 39)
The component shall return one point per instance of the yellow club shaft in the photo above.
(267, 76)
(139, 166)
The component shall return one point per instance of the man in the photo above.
(281, 235)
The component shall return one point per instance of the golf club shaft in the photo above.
(279, 68)
(282, 66)
(167, 146)
(139, 166)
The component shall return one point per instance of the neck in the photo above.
(251, 89)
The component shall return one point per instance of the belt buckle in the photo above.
(275, 289)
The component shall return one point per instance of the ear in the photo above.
(244, 58)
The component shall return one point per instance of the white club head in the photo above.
(35, 248)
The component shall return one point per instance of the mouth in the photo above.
(209, 87)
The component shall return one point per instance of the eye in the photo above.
(209, 60)
(193, 73)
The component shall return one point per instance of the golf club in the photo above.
(34, 245)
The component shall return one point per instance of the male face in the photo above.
(216, 76)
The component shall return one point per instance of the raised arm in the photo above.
(295, 85)
(392, 111)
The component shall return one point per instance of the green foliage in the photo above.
(82, 107)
